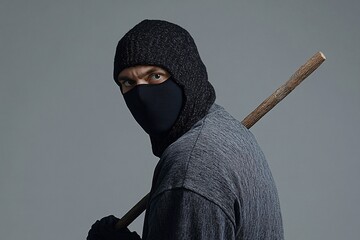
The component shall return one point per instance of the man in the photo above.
(212, 180)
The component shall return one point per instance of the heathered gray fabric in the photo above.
(213, 183)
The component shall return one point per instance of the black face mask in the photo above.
(155, 106)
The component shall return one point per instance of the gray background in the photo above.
(71, 152)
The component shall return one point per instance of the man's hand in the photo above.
(105, 230)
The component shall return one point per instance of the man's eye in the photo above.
(127, 83)
(155, 76)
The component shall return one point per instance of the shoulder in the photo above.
(220, 138)
(215, 148)
(220, 160)
(207, 159)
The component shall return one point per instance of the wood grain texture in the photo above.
(303, 72)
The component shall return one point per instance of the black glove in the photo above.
(105, 230)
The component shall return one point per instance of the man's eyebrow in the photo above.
(147, 72)
(151, 70)
(124, 78)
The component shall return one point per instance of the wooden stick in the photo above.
(303, 72)
(133, 213)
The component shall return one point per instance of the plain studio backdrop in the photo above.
(71, 153)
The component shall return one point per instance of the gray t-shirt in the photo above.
(213, 183)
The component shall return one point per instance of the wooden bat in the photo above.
(303, 72)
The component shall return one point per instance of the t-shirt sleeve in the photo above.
(182, 214)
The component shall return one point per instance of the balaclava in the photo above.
(169, 46)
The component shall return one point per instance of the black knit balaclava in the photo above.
(169, 46)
